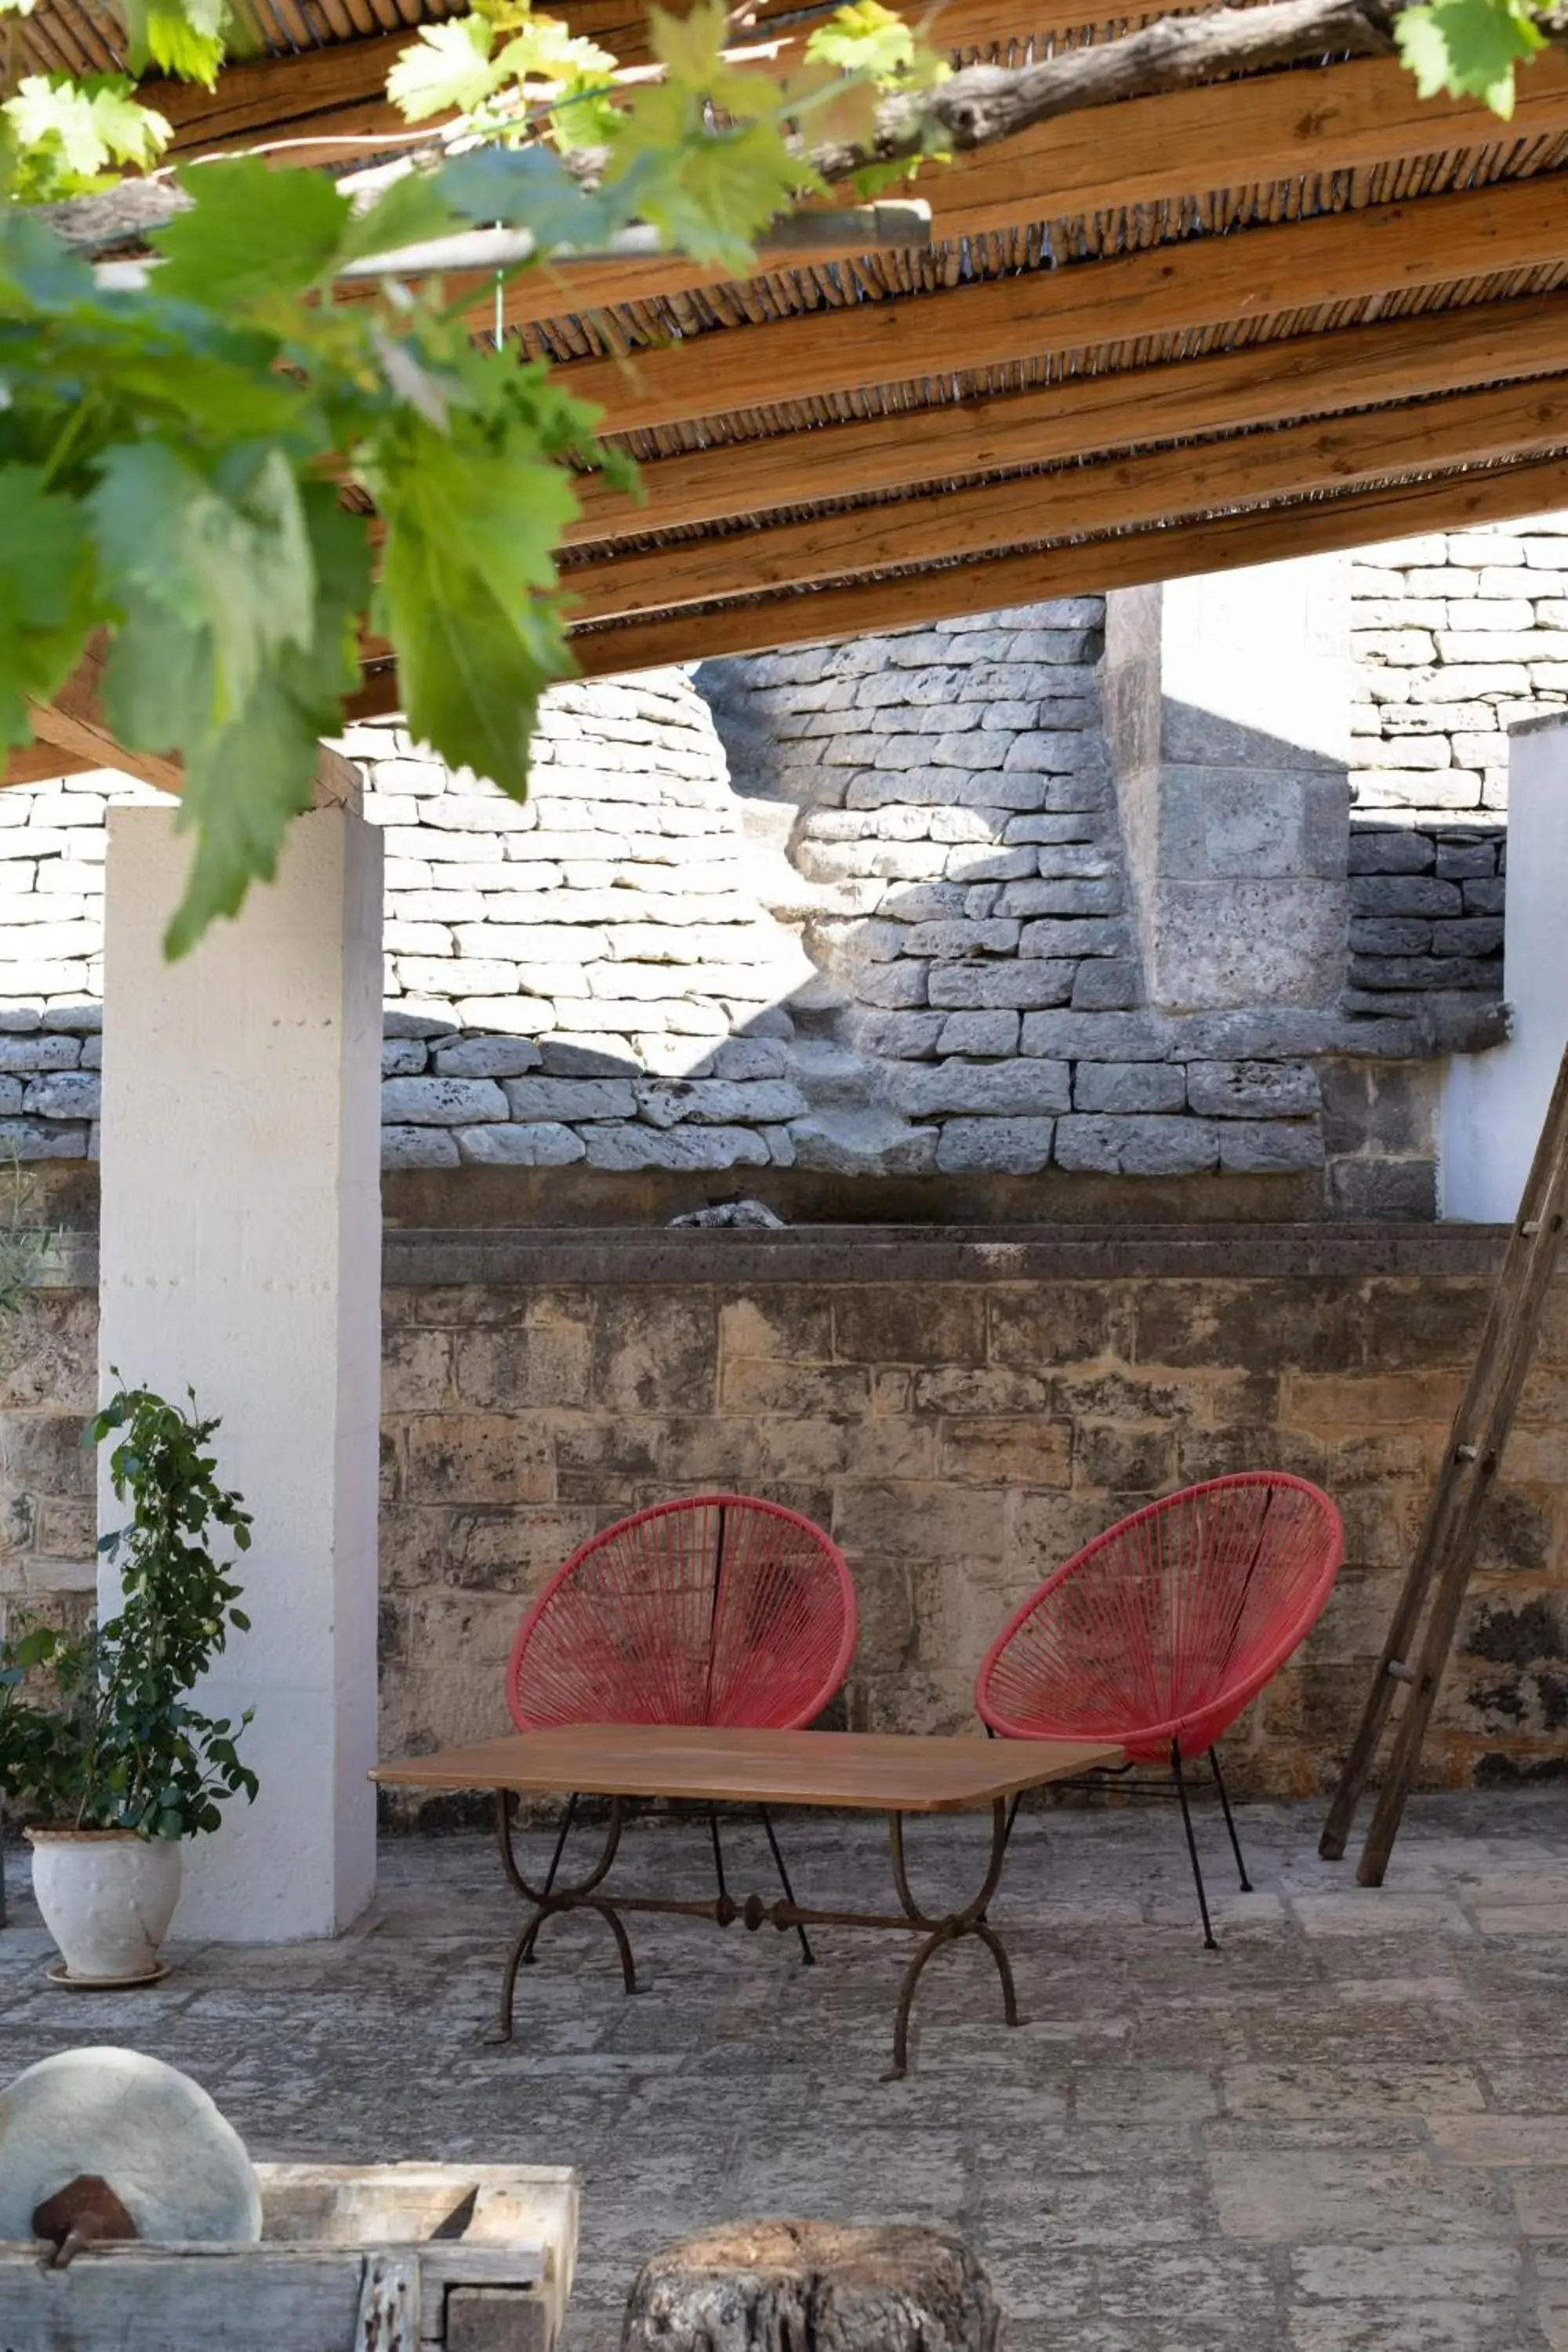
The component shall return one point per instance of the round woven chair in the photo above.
(719, 1609)
(714, 1609)
(1159, 1632)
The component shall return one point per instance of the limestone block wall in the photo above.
(945, 904)
(960, 1416)
(1454, 637)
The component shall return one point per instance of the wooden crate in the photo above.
(354, 2258)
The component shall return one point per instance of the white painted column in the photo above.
(1494, 1103)
(241, 1257)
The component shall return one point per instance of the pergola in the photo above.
(1257, 318)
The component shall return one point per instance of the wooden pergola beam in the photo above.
(40, 764)
(1227, 544)
(338, 92)
(1307, 375)
(1114, 494)
(1165, 289)
(874, 607)
(71, 739)
(1146, 150)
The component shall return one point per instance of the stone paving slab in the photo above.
(1346, 2132)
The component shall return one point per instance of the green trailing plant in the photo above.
(96, 1729)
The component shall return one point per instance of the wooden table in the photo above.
(884, 1772)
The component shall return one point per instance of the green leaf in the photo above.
(1468, 47)
(185, 38)
(245, 781)
(530, 187)
(250, 235)
(407, 213)
(466, 572)
(863, 39)
(46, 595)
(237, 566)
(445, 70)
(68, 131)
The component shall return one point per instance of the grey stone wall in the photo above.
(967, 901)
(1454, 638)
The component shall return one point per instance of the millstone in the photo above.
(782, 2286)
(140, 2129)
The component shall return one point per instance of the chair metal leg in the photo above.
(807, 1955)
(718, 1852)
(1229, 1821)
(1209, 1942)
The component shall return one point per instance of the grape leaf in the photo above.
(1468, 47)
(530, 187)
(406, 213)
(68, 131)
(231, 554)
(157, 683)
(46, 595)
(254, 232)
(447, 69)
(185, 38)
(467, 571)
(245, 782)
(863, 39)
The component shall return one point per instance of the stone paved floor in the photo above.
(1346, 2133)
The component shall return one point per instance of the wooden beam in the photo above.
(1146, 150)
(1307, 375)
(1086, 567)
(41, 763)
(1114, 494)
(73, 724)
(338, 91)
(89, 744)
(1359, 519)
(71, 740)
(1167, 288)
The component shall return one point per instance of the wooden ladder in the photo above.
(1445, 1553)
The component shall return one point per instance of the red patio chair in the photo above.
(1159, 1633)
(717, 1608)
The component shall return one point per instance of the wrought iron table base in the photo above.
(723, 1909)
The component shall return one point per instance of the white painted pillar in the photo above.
(1494, 1103)
(241, 1257)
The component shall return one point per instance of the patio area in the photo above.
(1348, 2130)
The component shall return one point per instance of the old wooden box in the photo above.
(354, 2258)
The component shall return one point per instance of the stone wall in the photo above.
(1454, 637)
(962, 1412)
(964, 907)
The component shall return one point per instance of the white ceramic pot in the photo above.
(107, 1897)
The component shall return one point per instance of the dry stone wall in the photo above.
(864, 911)
(962, 1416)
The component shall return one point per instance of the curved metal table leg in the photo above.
(970, 1921)
(549, 1898)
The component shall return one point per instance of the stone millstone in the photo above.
(783, 2286)
(146, 2132)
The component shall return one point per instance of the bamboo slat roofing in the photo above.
(1066, 393)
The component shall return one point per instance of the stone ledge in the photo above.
(880, 1254)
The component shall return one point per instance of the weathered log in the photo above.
(776, 2286)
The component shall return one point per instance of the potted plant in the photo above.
(110, 1755)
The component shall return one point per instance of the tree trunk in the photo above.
(813, 2286)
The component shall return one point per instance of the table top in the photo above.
(868, 1772)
